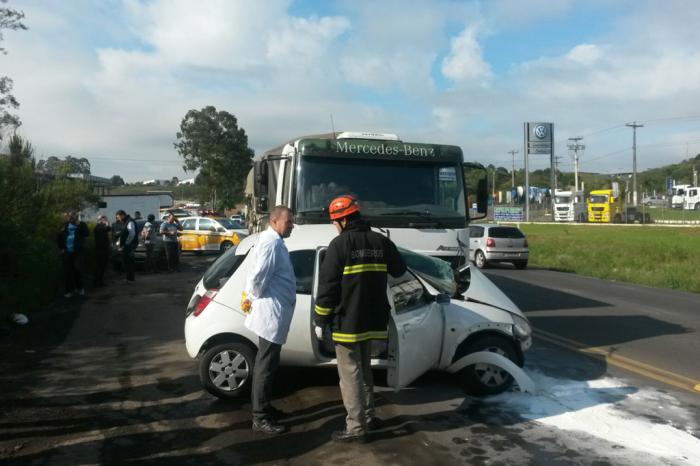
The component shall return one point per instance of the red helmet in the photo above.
(342, 206)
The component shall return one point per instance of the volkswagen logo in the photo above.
(540, 131)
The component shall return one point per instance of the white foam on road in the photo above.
(614, 412)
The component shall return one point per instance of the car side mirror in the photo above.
(221, 230)
(212, 229)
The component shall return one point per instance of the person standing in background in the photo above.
(102, 249)
(128, 241)
(148, 235)
(70, 239)
(169, 230)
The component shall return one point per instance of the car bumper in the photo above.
(506, 255)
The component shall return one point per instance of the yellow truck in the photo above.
(604, 207)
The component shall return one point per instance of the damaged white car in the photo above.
(429, 329)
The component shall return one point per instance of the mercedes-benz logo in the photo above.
(540, 131)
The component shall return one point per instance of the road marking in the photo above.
(647, 370)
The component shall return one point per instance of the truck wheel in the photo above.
(226, 370)
(480, 259)
(520, 265)
(697, 206)
(486, 379)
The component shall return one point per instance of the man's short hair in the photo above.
(120, 212)
(277, 211)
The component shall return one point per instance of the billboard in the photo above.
(539, 137)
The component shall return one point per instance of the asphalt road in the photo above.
(654, 330)
(106, 380)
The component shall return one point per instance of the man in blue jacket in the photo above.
(71, 240)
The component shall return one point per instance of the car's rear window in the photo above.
(505, 232)
(222, 269)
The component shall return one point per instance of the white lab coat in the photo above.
(271, 286)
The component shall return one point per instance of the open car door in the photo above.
(416, 331)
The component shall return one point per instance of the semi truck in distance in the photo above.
(570, 206)
(607, 206)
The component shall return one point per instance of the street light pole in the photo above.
(634, 127)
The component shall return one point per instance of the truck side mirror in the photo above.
(260, 179)
(482, 196)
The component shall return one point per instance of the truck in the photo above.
(570, 206)
(692, 198)
(412, 192)
(606, 206)
(678, 193)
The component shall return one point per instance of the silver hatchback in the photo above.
(497, 243)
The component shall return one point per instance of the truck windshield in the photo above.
(562, 199)
(598, 199)
(391, 193)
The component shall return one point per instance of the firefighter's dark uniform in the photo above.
(352, 299)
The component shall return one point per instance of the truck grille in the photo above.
(597, 209)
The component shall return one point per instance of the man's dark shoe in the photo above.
(268, 426)
(345, 437)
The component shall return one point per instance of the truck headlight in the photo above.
(521, 328)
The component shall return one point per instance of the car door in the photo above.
(416, 331)
(188, 236)
(207, 235)
(475, 235)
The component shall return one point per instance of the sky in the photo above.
(110, 80)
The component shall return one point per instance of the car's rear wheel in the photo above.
(520, 265)
(226, 370)
(486, 379)
(480, 259)
(225, 246)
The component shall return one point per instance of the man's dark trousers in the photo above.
(266, 363)
(172, 255)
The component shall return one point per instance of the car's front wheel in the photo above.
(486, 379)
(226, 370)
(480, 259)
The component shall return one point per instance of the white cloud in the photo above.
(465, 61)
(585, 54)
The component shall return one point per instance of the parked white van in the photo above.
(429, 327)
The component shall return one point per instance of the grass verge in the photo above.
(655, 256)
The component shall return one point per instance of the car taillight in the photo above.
(204, 302)
(525, 243)
(490, 242)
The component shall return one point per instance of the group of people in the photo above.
(71, 243)
(351, 303)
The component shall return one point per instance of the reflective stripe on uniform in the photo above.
(357, 337)
(352, 269)
(322, 311)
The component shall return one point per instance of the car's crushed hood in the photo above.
(483, 290)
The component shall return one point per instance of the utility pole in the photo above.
(512, 182)
(575, 147)
(556, 164)
(634, 127)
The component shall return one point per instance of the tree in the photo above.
(21, 151)
(62, 168)
(117, 180)
(211, 141)
(9, 19)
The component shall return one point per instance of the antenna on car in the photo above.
(332, 126)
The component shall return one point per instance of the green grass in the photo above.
(673, 214)
(656, 256)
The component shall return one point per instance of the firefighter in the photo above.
(352, 301)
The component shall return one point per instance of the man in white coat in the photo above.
(270, 297)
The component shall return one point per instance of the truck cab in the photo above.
(570, 206)
(604, 206)
(692, 198)
(678, 193)
(415, 193)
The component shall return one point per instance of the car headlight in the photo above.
(521, 328)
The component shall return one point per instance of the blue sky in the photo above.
(111, 80)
